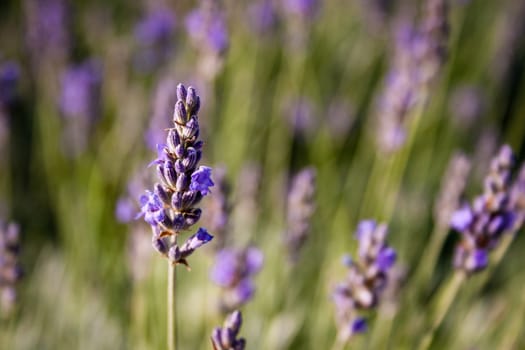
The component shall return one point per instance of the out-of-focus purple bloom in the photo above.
(262, 16)
(9, 76)
(340, 118)
(233, 271)
(154, 35)
(226, 338)
(300, 209)
(367, 278)
(492, 213)
(466, 105)
(301, 116)
(80, 104)
(201, 180)
(218, 208)
(172, 206)
(48, 30)
(127, 204)
(10, 270)
(207, 28)
(452, 186)
(306, 9)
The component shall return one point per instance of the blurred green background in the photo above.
(303, 91)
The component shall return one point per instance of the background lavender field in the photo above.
(368, 102)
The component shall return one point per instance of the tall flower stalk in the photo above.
(496, 213)
(171, 207)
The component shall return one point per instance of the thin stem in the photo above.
(447, 296)
(172, 307)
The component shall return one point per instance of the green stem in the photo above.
(172, 307)
(442, 306)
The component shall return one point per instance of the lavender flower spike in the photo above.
(226, 338)
(172, 205)
(10, 270)
(366, 280)
(496, 211)
(300, 209)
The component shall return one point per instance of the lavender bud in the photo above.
(226, 338)
(181, 92)
(180, 115)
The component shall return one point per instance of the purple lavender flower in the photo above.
(9, 76)
(367, 278)
(172, 205)
(301, 207)
(233, 271)
(306, 9)
(262, 16)
(10, 270)
(48, 32)
(491, 214)
(80, 104)
(466, 105)
(226, 338)
(452, 187)
(201, 180)
(207, 28)
(154, 36)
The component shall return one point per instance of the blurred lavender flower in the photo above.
(9, 76)
(400, 93)
(233, 271)
(225, 338)
(452, 187)
(466, 105)
(127, 204)
(48, 31)
(492, 213)
(247, 208)
(172, 205)
(206, 27)
(301, 206)
(10, 270)
(301, 116)
(80, 104)
(432, 46)
(162, 111)
(218, 208)
(305, 9)
(262, 16)
(367, 278)
(340, 118)
(154, 35)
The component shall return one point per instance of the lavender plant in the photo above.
(10, 270)
(80, 105)
(227, 337)
(491, 215)
(301, 207)
(219, 208)
(367, 278)
(171, 207)
(233, 271)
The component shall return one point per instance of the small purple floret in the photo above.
(201, 180)
(461, 218)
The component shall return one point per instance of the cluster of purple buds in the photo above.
(154, 36)
(10, 270)
(301, 206)
(172, 205)
(366, 279)
(452, 187)
(233, 271)
(80, 104)
(491, 214)
(226, 338)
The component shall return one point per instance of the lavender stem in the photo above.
(172, 305)
(446, 298)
